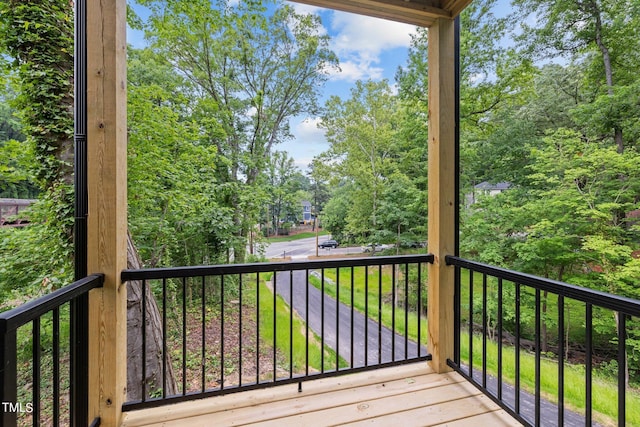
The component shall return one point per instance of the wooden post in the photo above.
(107, 203)
(442, 197)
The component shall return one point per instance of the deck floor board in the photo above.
(410, 395)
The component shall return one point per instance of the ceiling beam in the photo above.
(455, 6)
(414, 12)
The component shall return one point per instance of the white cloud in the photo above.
(357, 70)
(359, 41)
(305, 8)
(308, 132)
(369, 35)
(308, 142)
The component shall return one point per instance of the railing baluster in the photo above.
(337, 319)
(203, 337)
(560, 360)
(393, 312)
(419, 311)
(222, 358)
(184, 336)
(257, 327)
(291, 324)
(406, 311)
(8, 373)
(379, 314)
(143, 360)
(484, 329)
(622, 368)
(537, 361)
(36, 371)
(275, 325)
(55, 356)
(588, 371)
(366, 316)
(240, 327)
(164, 339)
(517, 349)
(306, 321)
(471, 324)
(351, 319)
(322, 320)
(500, 313)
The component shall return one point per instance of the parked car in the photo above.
(375, 247)
(328, 244)
(412, 244)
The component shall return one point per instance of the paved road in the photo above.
(548, 409)
(339, 321)
(302, 248)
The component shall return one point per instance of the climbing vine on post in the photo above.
(38, 37)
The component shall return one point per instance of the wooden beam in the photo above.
(107, 200)
(442, 197)
(416, 12)
(455, 7)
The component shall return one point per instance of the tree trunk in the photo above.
(608, 69)
(154, 348)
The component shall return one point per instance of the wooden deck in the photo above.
(410, 395)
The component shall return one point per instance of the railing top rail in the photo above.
(601, 299)
(215, 270)
(19, 316)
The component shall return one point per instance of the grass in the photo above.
(254, 345)
(573, 328)
(288, 333)
(304, 235)
(377, 283)
(605, 389)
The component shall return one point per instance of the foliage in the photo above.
(34, 262)
(283, 181)
(361, 131)
(37, 35)
(250, 72)
(172, 184)
(37, 39)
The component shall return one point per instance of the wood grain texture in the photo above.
(410, 395)
(107, 197)
(416, 12)
(441, 187)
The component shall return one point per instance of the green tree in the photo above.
(361, 131)
(251, 71)
(596, 29)
(282, 186)
(173, 213)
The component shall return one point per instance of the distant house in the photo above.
(307, 216)
(486, 188)
(10, 209)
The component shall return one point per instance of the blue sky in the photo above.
(368, 48)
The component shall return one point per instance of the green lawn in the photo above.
(373, 287)
(379, 281)
(298, 236)
(605, 388)
(290, 334)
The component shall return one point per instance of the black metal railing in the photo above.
(516, 332)
(41, 341)
(229, 328)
